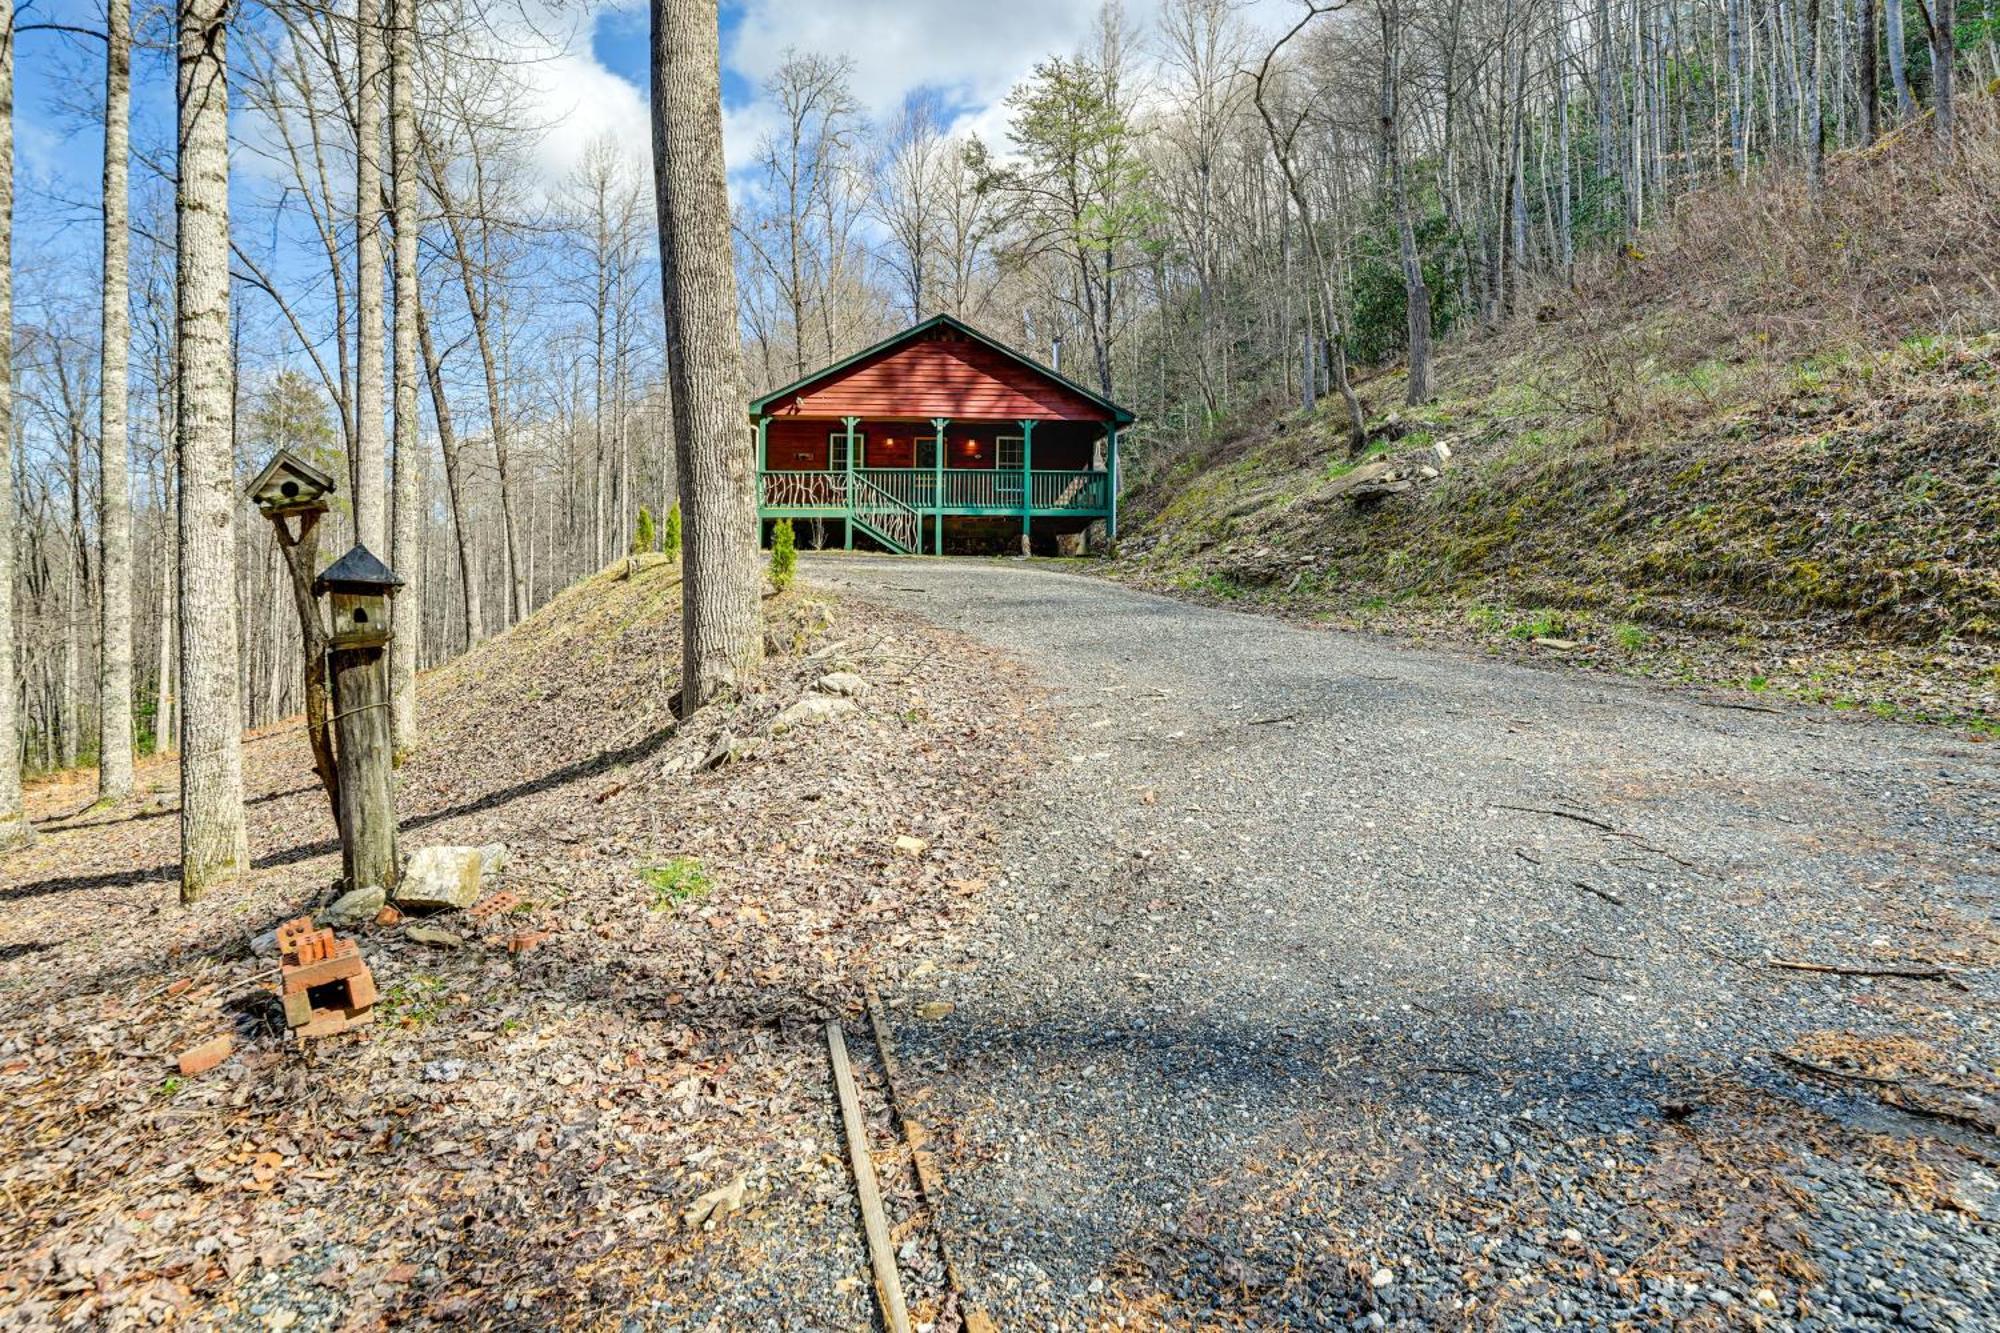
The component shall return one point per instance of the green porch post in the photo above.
(763, 463)
(1111, 480)
(937, 485)
(1027, 482)
(851, 423)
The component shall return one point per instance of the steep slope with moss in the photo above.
(1763, 450)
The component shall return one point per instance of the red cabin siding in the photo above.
(942, 375)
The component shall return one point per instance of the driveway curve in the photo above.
(1332, 983)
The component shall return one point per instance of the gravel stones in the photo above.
(1287, 979)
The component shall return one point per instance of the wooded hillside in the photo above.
(1757, 447)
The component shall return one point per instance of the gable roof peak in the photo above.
(761, 405)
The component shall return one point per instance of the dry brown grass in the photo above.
(1904, 241)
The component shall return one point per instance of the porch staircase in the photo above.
(891, 523)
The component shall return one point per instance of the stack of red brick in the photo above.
(324, 982)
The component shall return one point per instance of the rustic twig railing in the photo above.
(890, 517)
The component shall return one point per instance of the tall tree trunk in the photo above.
(114, 523)
(1739, 141)
(1606, 135)
(1416, 295)
(1816, 106)
(1871, 74)
(1940, 17)
(370, 466)
(722, 638)
(454, 483)
(213, 843)
(408, 525)
(14, 826)
(1899, 77)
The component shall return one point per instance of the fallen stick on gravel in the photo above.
(1591, 820)
(929, 1187)
(1606, 894)
(888, 1288)
(1828, 1071)
(1844, 970)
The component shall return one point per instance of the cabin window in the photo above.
(926, 451)
(1010, 452)
(836, 449)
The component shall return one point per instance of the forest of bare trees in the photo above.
(1198, 212)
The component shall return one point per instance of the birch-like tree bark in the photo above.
(214, 847)
(114, 519)
(370, 466)
(1899, 77)
(14, 826)
(408, 528)
(721, 634)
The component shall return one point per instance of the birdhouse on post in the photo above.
(359, 587)
(288, 485)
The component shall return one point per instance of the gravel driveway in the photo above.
(1332, 983)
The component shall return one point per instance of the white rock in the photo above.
(843, 683)
(351, 909)
(812, 709)
(492, 860)
(730, 748)
(1383, 1277)
(441, 878)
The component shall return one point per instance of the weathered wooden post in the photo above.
(288, 488)
(359, 588)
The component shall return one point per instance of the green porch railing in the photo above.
(966, 491)
(1069, 492)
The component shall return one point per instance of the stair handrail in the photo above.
(889, 516)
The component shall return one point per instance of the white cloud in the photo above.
(580, 101)
(572, 96)
(974, 52)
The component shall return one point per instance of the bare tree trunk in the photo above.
(1816, 107)
(454, 482)
(408, 610)
(1940, 17)
(1899, 78)
(1871, 74)
(1416, 295)
(370, 469)
(213, 843)
(14, 826)
(1739, 143)
(114, 524)
(722, 638)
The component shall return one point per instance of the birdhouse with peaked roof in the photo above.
(359, 587)
(289, 484)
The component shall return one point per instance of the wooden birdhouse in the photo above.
(358, 587)
(289, 484)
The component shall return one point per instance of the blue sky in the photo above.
(593, 81)
(589, 71)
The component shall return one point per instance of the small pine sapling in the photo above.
(644, 539)
(784, 554)
(670, 540)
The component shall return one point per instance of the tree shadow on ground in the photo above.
(550, 781)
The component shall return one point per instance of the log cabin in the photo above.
(937, 439)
